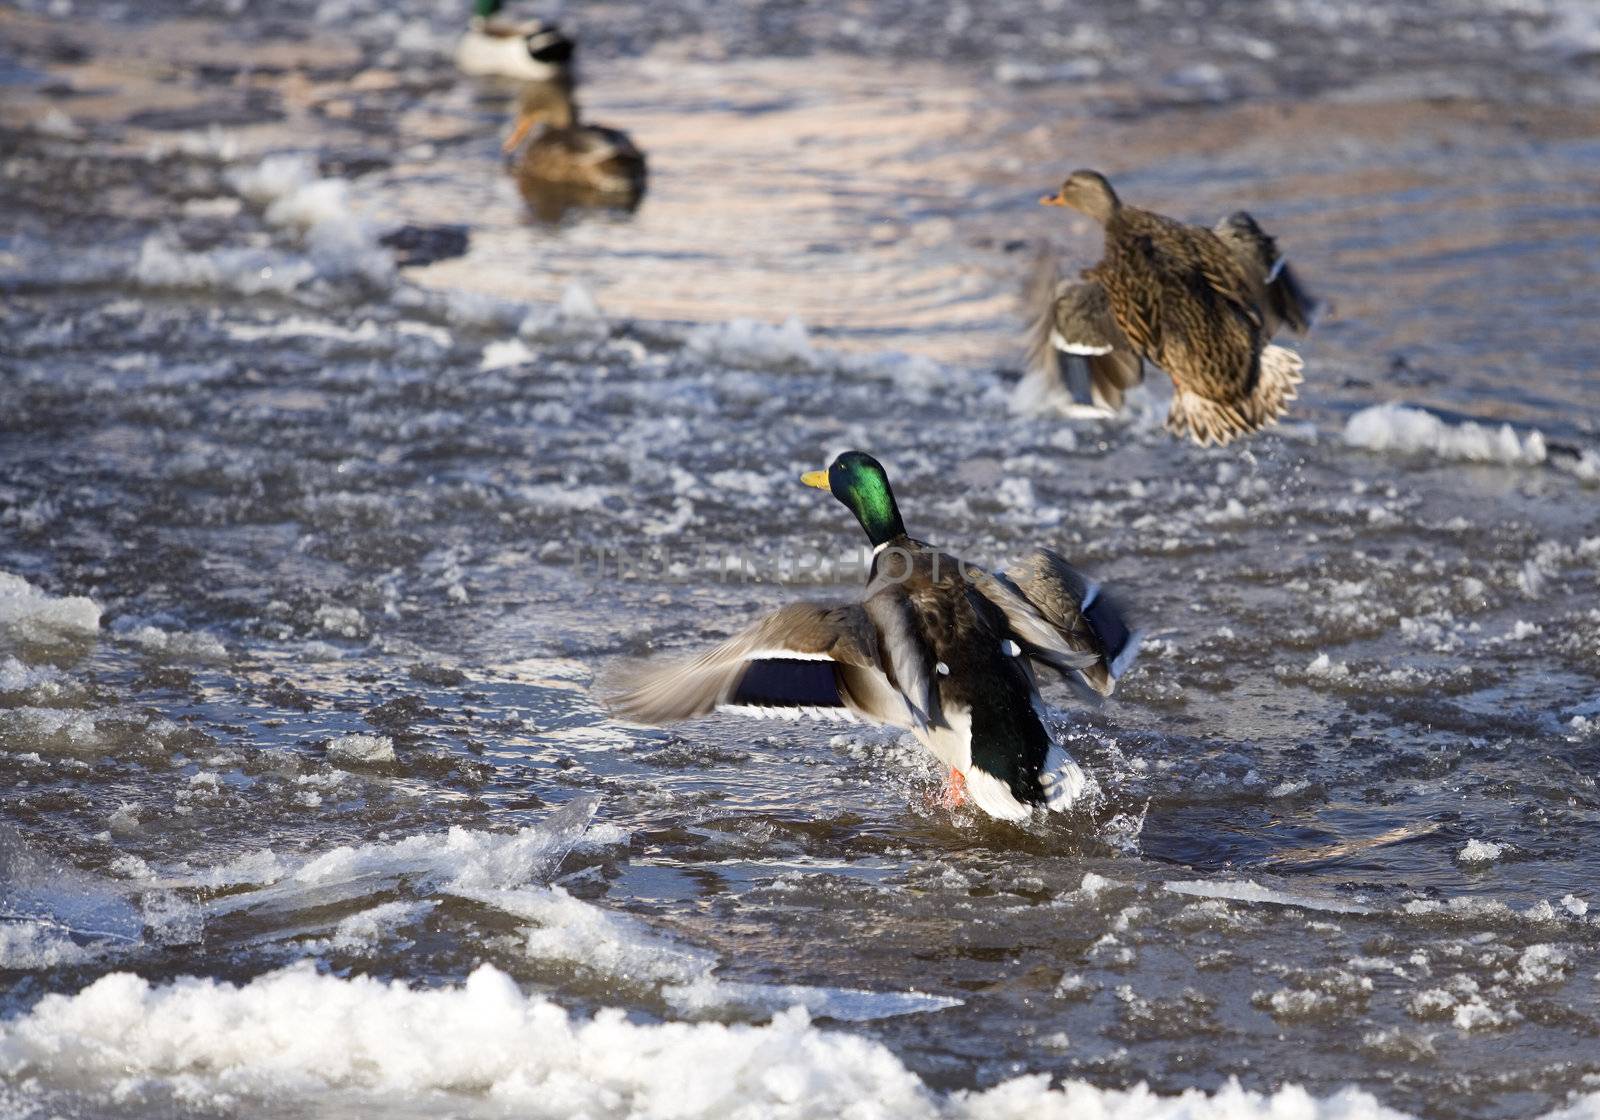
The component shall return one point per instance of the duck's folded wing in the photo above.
(1065, 620)
(1283, 297)
(807, 659)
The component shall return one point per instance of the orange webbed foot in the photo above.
(955, 792)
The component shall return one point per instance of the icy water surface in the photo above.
(309, 561)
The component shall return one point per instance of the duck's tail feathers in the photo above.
(1208, 421)
(1290, 303)
(1063, 781)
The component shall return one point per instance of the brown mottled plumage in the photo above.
(568, 162)
(1183, 299)
(942, 648)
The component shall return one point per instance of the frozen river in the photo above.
(309, 560)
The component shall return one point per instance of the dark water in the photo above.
(313, 496)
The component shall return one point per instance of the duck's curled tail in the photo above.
(1209, 421)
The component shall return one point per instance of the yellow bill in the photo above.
(819, 479)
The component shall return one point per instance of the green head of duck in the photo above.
(860, 482)
(1088, 192)
(486, 9)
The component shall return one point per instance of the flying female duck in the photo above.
(1201, 304)
(935, 645)
(531, 51)
(566, 162)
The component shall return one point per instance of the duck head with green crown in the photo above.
(860, 482)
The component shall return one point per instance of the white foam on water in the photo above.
(1400, 428)
(485, 1046)
(1247, 890)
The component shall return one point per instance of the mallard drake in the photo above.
(566, 161)
(530, 51)
(940, 647)
(1199, 303)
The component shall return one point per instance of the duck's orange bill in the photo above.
(517, 133)
(1052, 200)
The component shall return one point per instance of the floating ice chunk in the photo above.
(603, 941)
(1247, 890)
(362, 750)
(848, 1005)
(371, 927)
(626, 949)
(275, 177)
(175, 644)
(47, 893)
(39, 682)
(505, 354)
(1325, 668)
(296, 1035)
(30, 615)
(310, 204)
(1574, 905)
(1297, 1004)
(755, 344)
(246, 271)
(458, 860)
(59, 125)
(1480, 851)
(1463, 1004)
(1543, 965)
(345, 622)
(39, 945)
(1395, 427)
(577, 316)
(55, 730)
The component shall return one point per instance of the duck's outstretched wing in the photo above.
(1065, 620)
(1075, 349)
(806, 659)
(1283, 298)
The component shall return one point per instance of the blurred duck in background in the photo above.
(559, 162)
(526, 51)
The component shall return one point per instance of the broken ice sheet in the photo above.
(35, 888)
(458, 860)
(624, 949)
(1247, 890)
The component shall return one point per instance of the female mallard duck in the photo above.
(1201, 304)
(569, 161)
(936, 646)
(531, 51)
